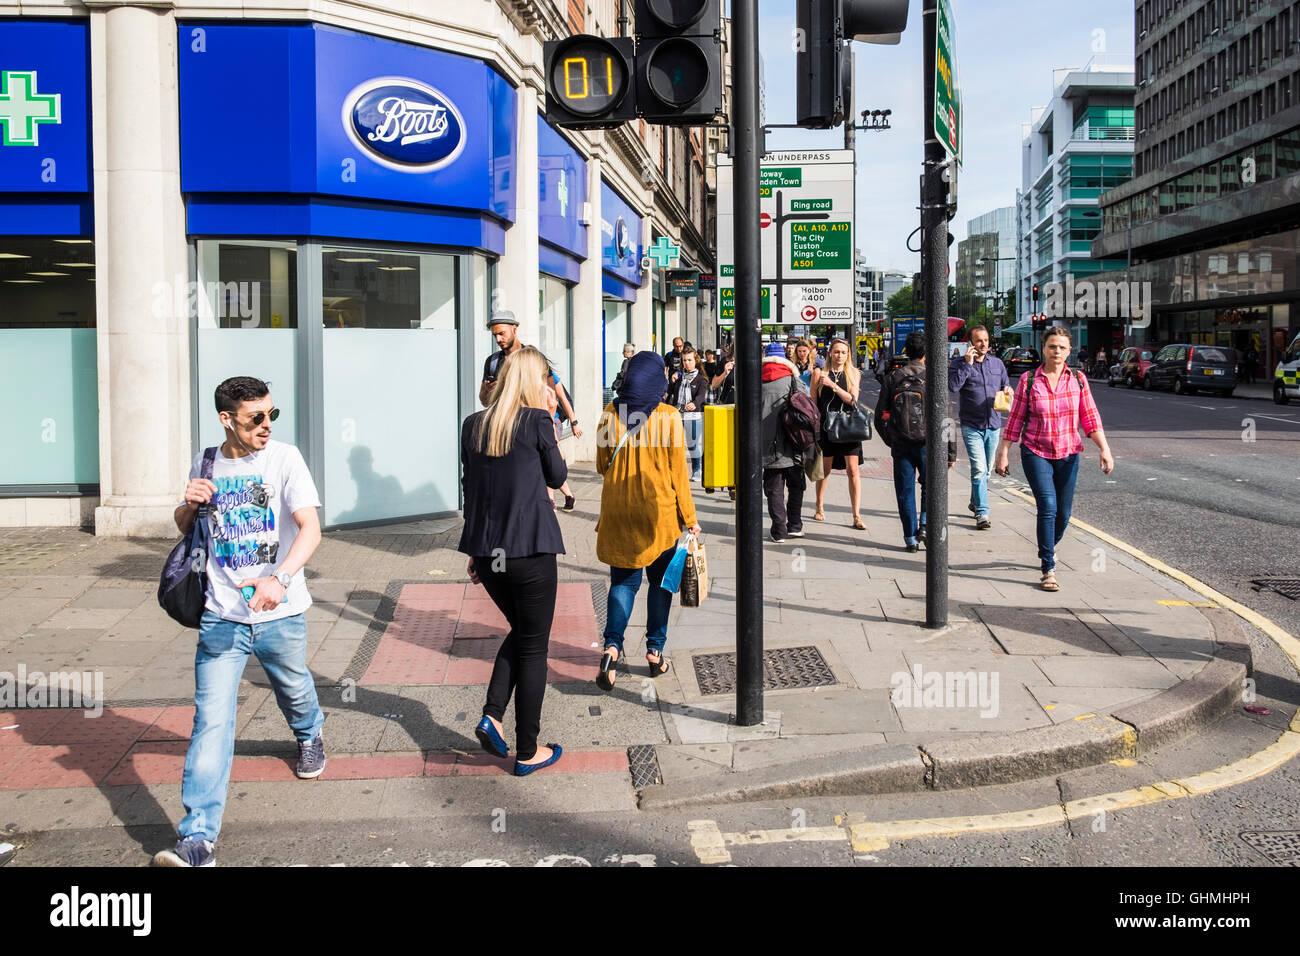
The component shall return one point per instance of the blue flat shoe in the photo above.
(524, 769)
(489, 739)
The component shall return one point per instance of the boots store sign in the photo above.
(404, 125)
(318, 111)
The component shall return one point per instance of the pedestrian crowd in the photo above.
(249, 513)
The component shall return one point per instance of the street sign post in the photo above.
(806, 202)
(947, 98)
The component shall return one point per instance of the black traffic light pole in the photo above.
(746, 134)
(934, 268)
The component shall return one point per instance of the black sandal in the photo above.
(608, 669)
(660, 667)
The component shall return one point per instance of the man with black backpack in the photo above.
(900, 421)
(788, 428)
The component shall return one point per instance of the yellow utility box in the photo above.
(719, 446)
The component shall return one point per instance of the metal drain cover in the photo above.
(784, 668)
(644, 764)
(1287, 587)
(1280, 846)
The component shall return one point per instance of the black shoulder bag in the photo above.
(183, 586)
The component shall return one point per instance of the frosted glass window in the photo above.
(49, 430)
(390, 386)
(555, 327)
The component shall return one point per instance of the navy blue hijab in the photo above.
(642, 388)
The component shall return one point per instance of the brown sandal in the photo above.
(1049, 582)
(858, 525)
(819, 516)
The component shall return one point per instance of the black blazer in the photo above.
(506, 505)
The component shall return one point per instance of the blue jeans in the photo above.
(909, 467)
(694, 428)
(623, 585)
(1052, 480)
(223, 650)
(981, 446)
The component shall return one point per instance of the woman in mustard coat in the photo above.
(644, 505)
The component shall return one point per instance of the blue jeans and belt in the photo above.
(981, 448)
(223, 649)
(623, 585)
(694, 429)
(1052, 481)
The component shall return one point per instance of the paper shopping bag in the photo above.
(695, 577)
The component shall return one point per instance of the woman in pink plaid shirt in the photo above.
(1046, 424)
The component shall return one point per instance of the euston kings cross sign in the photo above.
(947, 98)
(22, 109)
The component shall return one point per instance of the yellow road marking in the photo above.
(710, 843)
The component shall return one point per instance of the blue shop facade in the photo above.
(348, 207)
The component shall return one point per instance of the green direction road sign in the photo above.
(821, 245)
(728, 297)
(947, 98)
(22, 109)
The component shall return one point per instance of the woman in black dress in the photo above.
(832, 386)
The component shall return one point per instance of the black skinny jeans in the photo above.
(524, 591)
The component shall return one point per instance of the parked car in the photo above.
(1187, 369)
(1131, 367)
(1020, 360)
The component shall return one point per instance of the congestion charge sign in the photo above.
(806, 207)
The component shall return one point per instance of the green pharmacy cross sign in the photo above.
(22, 109)
(663, 251)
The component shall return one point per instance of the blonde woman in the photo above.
(833, 386)
(509, 457)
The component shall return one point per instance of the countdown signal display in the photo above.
(589, 82)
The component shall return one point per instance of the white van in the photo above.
(1286, 378)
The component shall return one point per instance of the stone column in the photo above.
(141, 298)
(588, 325)
(518, 283)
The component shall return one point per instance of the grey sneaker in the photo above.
(311, 758)
(982, 523)
(188, 851)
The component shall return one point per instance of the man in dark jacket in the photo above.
(898, 395)
(782, 463)
(978, 379)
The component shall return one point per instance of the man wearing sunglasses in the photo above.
(262, 529)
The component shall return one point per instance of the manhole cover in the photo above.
(1287, 587)
(784, 668)
(1280, 846)
(644, 764)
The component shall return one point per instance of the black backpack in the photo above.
(907, 409)
(801, 420)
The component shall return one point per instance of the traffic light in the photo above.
(589, 82)
(824, 70)
(678, 61)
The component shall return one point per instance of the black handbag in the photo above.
(848, 424)
(183, 586)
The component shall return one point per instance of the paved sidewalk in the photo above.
(863, 698)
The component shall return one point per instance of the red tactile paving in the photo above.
(174, 723)
(62, 765)
(32, 725)
(9, 756)
(373, 768)
(112, 728)
(156, 761)
(450, 633)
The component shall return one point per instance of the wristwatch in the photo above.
(284, 579)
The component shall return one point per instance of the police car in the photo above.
(1286, 378)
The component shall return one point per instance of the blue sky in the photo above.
(1006, 52)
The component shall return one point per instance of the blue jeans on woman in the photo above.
(694, 428)
(623, 585)
(1052, 480)
(219, 661)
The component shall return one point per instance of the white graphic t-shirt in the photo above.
(251, 527)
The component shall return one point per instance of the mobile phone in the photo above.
(248, 591)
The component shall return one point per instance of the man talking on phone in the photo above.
(262, 530)
(978, 378)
